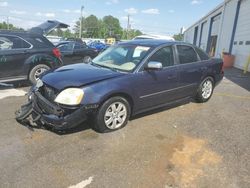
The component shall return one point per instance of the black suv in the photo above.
(25, 55)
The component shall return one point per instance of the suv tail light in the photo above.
(57, 52)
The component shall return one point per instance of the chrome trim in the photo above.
(165, 91)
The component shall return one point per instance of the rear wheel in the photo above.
(205, 90)
(112, 115)
(87, 59)
(36, 71)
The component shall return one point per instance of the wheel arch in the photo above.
(120, 94)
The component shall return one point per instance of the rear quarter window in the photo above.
(203, 56)
(9, 42)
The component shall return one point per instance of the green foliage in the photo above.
(179, 37)
(108, 26)
(4, 25)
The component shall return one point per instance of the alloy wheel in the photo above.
(115, 115)
(207, 88)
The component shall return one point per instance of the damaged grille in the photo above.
(48, 92)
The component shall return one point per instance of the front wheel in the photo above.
(205, 90)
(112, 115)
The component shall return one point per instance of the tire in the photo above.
(112, 115)
(36, 71)
(87, 59)
(205, 90)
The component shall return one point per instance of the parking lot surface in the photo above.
(191, 145)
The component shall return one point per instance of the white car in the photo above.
(154, 37)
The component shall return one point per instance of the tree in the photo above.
(91, 26)
(108, 26)
(112, 26)
(130, 34)
(4, 25)
(179, 37)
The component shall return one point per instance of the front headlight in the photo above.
(70, 96)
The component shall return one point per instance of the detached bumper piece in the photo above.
(44, 112)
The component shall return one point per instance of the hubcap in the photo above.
(39, 72)
(115, 115)
(207, 89)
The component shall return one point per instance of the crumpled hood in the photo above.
(77, 75)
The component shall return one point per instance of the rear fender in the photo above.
(37, 59)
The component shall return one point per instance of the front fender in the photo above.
(99, 92)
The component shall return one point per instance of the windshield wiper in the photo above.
(103, 66)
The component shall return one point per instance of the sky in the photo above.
(165, 17)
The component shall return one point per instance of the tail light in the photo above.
(57, 52)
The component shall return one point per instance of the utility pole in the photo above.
(128, 26)
(8, 25)
(80, 32)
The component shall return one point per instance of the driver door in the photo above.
(156, 87)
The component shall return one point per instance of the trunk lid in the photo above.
(46, 27)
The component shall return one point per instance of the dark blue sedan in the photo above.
(126, 79)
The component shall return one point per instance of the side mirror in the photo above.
(154, 65)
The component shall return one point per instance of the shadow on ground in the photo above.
(236, 75)
(88, 124)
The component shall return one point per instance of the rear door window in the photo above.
(12, 42)
(164, 55)
(203, 56)
(186, 54)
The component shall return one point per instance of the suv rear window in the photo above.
(12, 42)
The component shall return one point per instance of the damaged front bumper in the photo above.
(44, 112)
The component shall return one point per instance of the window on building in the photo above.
(186, 54)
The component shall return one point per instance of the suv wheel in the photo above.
(36, 71)
(205, 90)
(112, 115)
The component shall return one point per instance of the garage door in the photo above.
(241, 48)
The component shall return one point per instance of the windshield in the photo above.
(122, 57)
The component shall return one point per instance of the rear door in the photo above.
(191, 69)
(13, 53)
(66, 50)
(80, 51)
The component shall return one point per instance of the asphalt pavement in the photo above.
(190, 145)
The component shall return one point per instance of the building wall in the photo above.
(202, 37)
(241, 47)
(227, 22)
(224, 28)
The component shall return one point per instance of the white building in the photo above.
(224, 29)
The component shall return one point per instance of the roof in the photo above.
(17, 33)
(150, 42)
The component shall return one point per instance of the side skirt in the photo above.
(163, 105)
